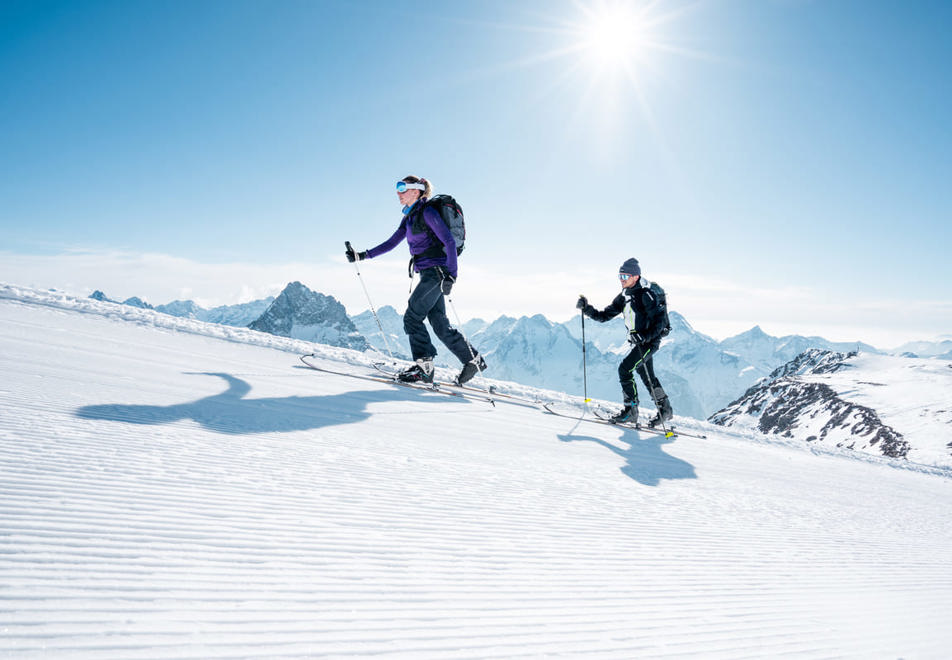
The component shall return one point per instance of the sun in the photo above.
(610, 56)
(614, 36)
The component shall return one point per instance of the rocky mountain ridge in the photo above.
(887, 405)
(303, 314)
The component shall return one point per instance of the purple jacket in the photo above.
(419, 243)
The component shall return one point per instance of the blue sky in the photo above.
(782, 163)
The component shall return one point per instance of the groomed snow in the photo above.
(174, 489)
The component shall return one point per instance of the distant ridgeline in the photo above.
(702, 375)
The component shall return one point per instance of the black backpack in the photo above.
(452, 214)
(663, 303)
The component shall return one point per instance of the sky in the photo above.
(781, 163)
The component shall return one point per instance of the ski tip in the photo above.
(669, 434)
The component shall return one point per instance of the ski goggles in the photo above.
(403, 186)
(624, 276)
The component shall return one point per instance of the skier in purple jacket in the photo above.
(433, 252)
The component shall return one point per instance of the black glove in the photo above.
(447, 284)
(582, 302)
(353, 256)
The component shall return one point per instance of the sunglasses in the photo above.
(403, 186)
(624, 276)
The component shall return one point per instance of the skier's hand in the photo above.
(353, 256)
(582, 302)
(447, 284)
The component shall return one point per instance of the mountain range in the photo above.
(700, 374)
(240, 315)
(894, 406)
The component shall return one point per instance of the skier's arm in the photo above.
(433, 220)
(614, 309)
(391, 242)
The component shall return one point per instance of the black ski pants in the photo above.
(641, 361)
(427, 302)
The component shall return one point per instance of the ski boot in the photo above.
(470, 369)
(664, 409)
(627, 415)
(421, 372)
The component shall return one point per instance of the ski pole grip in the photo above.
(347, 245)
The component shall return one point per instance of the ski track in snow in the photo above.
(167, 494)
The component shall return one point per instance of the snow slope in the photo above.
(171, 489)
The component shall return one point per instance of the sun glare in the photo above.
(614, 36)
(609, 55)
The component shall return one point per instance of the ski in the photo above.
(604, 421)
(638, 427)
(600, 419)
(390, 380)
(490, 392)
(668, 432)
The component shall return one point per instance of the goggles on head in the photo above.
(403, 186)
(624, 276)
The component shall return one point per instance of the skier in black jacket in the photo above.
(646, 316)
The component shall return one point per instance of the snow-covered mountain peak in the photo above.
(301, 313)
(134, 301)
(887, 405)
(186, 309)
(942, 348)
(813, 361)
(755, 334)
(679, 323)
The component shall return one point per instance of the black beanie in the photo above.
(630, 267)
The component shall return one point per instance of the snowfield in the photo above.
(176, 489)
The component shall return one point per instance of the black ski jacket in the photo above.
(644, 312)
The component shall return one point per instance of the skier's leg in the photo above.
(626, 376)
(450, 336)
(658, 395)
(645, 369)
(424, 297)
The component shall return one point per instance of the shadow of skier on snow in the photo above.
(230, 412)
(646, 462)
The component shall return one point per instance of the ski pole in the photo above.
(465, 338)
(372, 310)
(584, 365)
